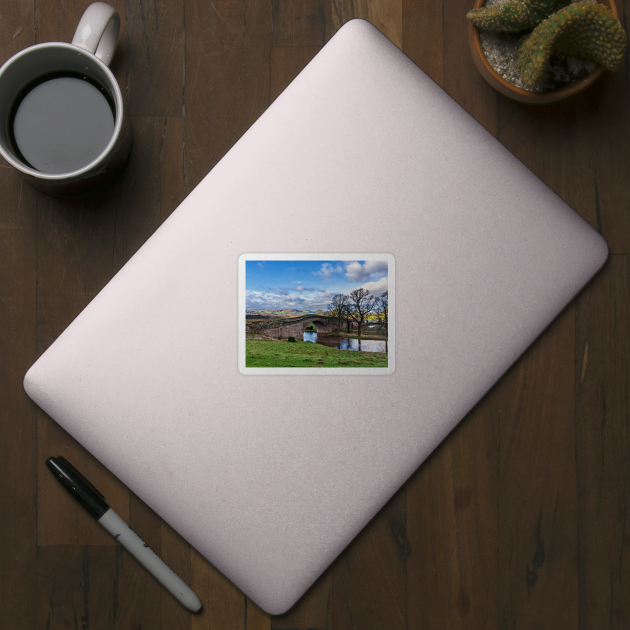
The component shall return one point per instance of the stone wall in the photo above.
(287, 328)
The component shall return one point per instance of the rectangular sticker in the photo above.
(330, 314)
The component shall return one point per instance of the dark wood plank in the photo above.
(285, 64)
(461, 78)
(154, 57)
(171, 159)
(255, 618)
(224, 606)
(386, 15)
(608, 126)
(558, 147)
(574, 149)
(17, 28)
(57, 23)
(300, 22)
(537, 537)
(369, 577)
(18, 416)
(452, 527)
(603, 443)
(422, 36)
(74, 248)
(226, 78)
(142, 600)
(76, 587)
(18, 422)
(152, 185)
(570, 146)
(312, 611)
(61, 520)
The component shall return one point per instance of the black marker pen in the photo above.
(94, 502)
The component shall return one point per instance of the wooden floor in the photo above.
(518, 520)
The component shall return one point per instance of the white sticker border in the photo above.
(293, 371)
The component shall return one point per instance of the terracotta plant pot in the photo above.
(519, 94)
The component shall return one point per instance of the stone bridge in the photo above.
(285, 327)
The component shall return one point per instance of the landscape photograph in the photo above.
(317, 313)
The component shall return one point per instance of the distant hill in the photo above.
(287, 312)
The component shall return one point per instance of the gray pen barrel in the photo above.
(149, 559)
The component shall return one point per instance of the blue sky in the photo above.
(309, 284)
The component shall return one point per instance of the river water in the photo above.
(343, 343)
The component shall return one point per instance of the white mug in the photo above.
(79, 150)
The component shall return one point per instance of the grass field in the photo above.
(270, 353)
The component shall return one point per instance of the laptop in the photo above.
(363, 184)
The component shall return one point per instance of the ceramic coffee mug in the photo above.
(62, 115)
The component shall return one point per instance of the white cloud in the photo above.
(378, 287)
(370, 270)
(326, 271)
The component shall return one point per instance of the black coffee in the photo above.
(61, 123)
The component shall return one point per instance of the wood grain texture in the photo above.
(285, 64)
(518, 520)
(369, 577)
(18, 416)
(226, 78)
(461, 79)
(60, 521)
(151, 187)
(224, 606)
(422, 36)
(602, 380)
(300, 22)
(313, 610)
(452, 515)
(76, 587)
(386, 15)
(151, 605)
(154, 57)
(574, 150)
(537, 533)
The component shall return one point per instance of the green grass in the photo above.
(269, 353)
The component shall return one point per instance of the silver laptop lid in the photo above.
(367, 168)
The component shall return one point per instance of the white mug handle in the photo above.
(98, 31)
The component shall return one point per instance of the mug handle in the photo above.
(98, 30)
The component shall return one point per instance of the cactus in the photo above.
(513, 16)
(584, 29)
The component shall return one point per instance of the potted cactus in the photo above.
(558, 49)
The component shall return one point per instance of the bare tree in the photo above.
(383, 309)
(363, 303)
(339, 307)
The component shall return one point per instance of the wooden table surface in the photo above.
(518, 520)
